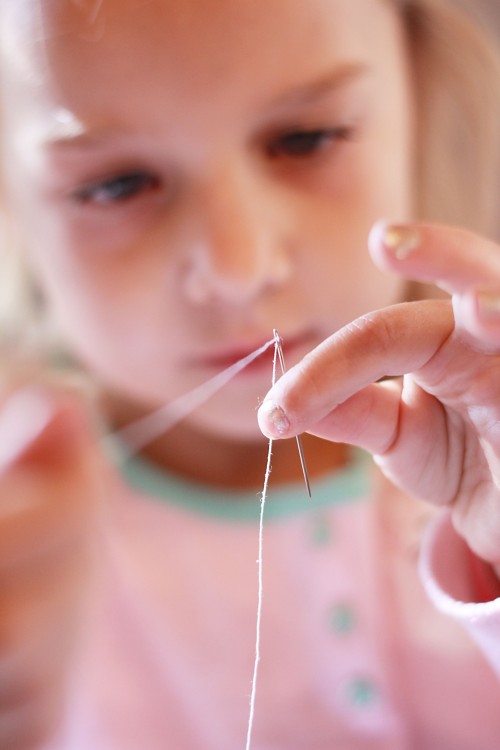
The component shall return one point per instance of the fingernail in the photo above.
(488, 305)
(400, 240)
(22, 418)
(272, 419)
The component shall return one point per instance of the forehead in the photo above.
(182, 51)
(60, 17)
(203, 32)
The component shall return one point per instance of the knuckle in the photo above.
(376, 329)
(373, 336)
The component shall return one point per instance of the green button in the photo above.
(342, 619)
(321, 534)
(361, 692)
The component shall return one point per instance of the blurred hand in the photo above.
(48, 497)
(436, 431)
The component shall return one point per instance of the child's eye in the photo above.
(118, 189)
(302, 143)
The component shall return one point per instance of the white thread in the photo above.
(141, 432)
(144, 430)
(259, 575)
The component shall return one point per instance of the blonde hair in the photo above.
(456, 69)
(456, 72)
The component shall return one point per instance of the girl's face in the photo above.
(187, 176)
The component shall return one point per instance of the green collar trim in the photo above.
(349, 484)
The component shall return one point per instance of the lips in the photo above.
(225, 357)
(228, 356)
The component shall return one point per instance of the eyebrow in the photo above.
(325, 84)
(85, 139)
(302, 95)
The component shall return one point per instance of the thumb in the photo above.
(48, 469)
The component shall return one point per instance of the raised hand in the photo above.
(48, 497)
(436, 431)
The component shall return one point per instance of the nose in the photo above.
(238, 247)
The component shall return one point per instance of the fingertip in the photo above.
(36, 421)
(390, 241)
(478, 312)
(376, 238)
(272, 419)
(488, 305)
(23, 418)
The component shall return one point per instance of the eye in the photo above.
(118, 189)
(303, 143)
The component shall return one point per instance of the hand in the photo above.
(436, 431)
(48, 492)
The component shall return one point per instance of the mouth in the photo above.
(294, 346)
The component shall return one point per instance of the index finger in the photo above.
(388, 342)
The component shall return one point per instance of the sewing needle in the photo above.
(279, 348)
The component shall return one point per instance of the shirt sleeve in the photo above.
(462, 585)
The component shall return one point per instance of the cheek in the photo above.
(105, 314)
(350, 285)
(112, 308)
(336, 271)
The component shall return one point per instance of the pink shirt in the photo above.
(354, 654)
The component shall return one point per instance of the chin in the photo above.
(241, 427)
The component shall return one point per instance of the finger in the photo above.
(46, 457)
(478, 312)
(460, 262)
(388, 342)
(367, 419)
(407, 431)
(452, 258)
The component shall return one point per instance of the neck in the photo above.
(220, 462)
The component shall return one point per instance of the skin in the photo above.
(228, 236)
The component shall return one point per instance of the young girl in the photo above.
(179, 179)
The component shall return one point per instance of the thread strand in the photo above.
(260, 577)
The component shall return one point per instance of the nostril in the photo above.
(196, 287)
(235, 279)
(280, 270)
